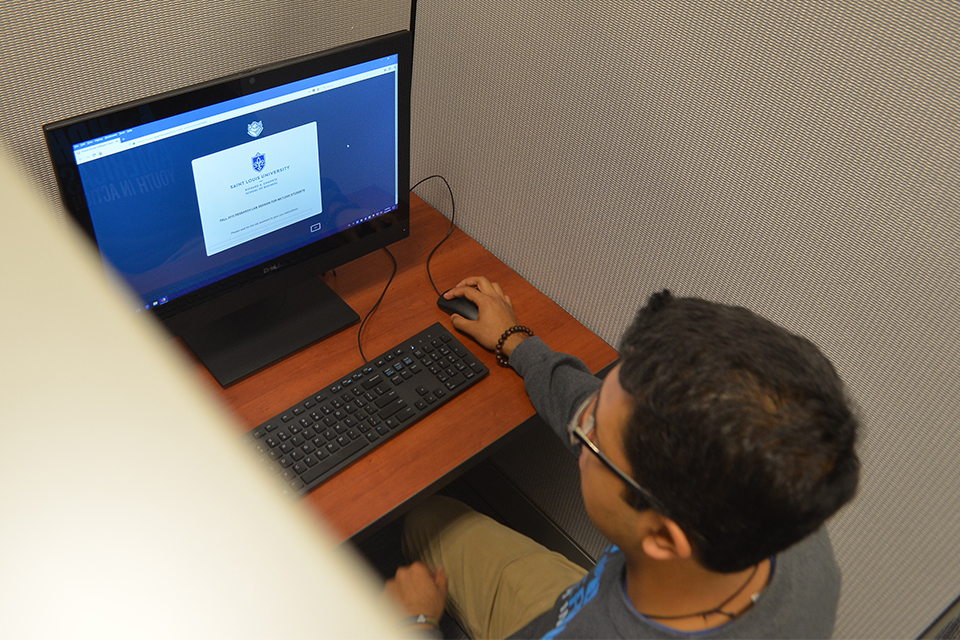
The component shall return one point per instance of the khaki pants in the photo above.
(499, 580)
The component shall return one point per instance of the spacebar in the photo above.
(341, 454)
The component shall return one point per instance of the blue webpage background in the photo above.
(143, 201)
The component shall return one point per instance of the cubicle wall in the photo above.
(800, 159)
(61, 58)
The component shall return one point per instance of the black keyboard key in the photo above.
(326, 465)
(390, 409)
(386, 398)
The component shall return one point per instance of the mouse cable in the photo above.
(453, 216)
(379, 300)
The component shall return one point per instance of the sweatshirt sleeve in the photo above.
(556, 382)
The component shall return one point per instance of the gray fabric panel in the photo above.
(61, 58)
(798, 159)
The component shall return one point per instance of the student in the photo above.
(710, 457)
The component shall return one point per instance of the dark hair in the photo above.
(740, 428)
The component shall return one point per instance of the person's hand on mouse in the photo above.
(496, 313)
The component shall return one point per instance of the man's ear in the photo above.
(665, 540)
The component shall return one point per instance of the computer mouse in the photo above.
(459, 305)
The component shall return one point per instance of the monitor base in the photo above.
(247, 340)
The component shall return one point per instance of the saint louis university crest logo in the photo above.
(255, 128)
(259, 162)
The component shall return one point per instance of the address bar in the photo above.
(111, 147)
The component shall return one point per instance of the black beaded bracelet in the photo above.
(502, 359)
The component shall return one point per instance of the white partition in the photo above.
(131, 508)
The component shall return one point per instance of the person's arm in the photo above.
(422, 594)
(557, 383)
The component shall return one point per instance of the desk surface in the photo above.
(422, 456)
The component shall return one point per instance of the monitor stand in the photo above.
(247, 340)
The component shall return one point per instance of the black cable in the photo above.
(453, 215)
(413, 21)
(379, 300)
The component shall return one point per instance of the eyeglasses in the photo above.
(581, 435)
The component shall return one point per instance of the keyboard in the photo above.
(311, 441)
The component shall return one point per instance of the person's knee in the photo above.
(427, 522)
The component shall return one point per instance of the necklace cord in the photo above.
(718, 608)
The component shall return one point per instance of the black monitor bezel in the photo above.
(241, 289)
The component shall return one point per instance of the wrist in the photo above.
(512, 342)
(421, 621)
(509, 341)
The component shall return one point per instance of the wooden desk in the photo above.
(424, 455)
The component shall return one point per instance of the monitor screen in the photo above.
(212, 198)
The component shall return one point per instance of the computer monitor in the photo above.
(221, 203)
